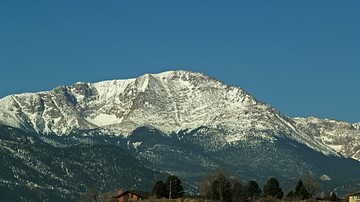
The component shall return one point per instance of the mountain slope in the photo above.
(42, 172)
(169, 101)
(341, 136)
(175, 122)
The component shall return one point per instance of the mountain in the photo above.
(343, 137)
(33, 170)
(170, 101)
(175, 122)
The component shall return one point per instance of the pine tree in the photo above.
(159, 190)
(290, 195)
(252, 189)
(333, 197)
(272, 188)
(300, 191)
(174, 188)
(227, 191)
(238, 191)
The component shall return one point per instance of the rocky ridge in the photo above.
(175, 122)
(169, 101)
(343, 137)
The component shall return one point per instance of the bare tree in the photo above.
(210, 185)
(217, 186)
(311, 184)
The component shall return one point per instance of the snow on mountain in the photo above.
(341, 136)
(356, 126)
(175, 122)
(169, 101)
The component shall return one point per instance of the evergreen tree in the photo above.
(238, 191)
(174, 189)
(300, 191)
(252, 189)
(333, 197)
(272, 188)
(299, 185)
(159, 190)
(290, 195)
(227, 191)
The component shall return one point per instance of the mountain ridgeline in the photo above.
(130, 133)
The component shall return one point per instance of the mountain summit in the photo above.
(169, 101)
(175, 122)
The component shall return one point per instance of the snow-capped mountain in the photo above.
(175, 122)
(341, 136)
(169, 101)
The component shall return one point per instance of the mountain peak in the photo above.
(169, 101)
(209, 124)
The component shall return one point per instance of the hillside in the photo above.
(175, 122)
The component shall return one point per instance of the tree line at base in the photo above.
(171, 188)
(220, 186)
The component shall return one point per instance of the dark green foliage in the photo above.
(298, 187)
(300, 191)
(174, 189)
(159, 190)
(238, 191)
(333, 197)
(227, 191)
(252, 189)
(272, 188)
(290, 195)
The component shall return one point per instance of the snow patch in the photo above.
(235, 138)
(104, 119)
(336, 147)
(136, 145)
(325, 177)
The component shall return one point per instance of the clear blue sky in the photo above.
(302, 57)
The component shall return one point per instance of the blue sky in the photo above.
(302, 57)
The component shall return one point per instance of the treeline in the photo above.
(171, 188)
(220, 186)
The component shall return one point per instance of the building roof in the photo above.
(130, 191)
(354, 193)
